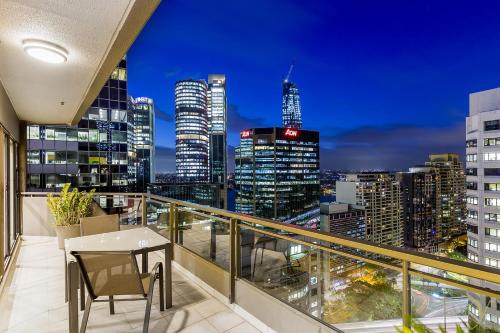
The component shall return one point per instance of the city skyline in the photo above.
(364, 86)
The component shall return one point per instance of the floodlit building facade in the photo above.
(290, 108)
(217, 127)
(277, 172)
(191, 131)
(142, 122)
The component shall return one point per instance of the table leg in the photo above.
(145, 262)
(168, 275)
(73, 297)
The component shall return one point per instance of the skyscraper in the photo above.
(142, 115)
(422, 200)
(379, 195)
(290, 108)
(452, 179)
(92, 154)
(277, 173)
(483, 196)
(191, 131)
(217, 127)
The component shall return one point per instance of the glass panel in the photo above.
(33, 157)
(72, 134)
(159, 217)
(342, 291)
(205, 236)
(33, 132)
(60, 134)
(93, 136)
(50, 134)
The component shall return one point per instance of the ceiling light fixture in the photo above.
(45, 51)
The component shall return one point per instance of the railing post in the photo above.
(144, 212)
(233, 264)
(406, 294)
(174, 223)
(172, 217)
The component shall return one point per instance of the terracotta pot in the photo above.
(65, 232)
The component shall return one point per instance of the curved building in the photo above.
(191, 131)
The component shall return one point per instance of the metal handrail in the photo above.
(472, 270)
(401, 259)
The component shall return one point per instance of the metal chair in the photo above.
(94, 225)
(110, 274)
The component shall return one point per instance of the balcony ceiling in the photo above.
(95, 33)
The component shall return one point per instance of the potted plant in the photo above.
(67, 209)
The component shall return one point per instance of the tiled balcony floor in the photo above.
(33, 301)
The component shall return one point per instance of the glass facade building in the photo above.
(277, 172)
(191, 131)
(92, 154)
(142, 115)
(217, 127)
(290, 108)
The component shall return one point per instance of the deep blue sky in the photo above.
(385, 82)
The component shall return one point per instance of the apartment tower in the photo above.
(379, 195)
(483, 196)
(422, 199)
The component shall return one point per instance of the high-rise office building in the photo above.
(483, 196)
(141, 119)
(379, 195)
(92, 154)
(421, 188)
(217, 127)
(277, 172)
(452, 180)
(290, 107)
(191, 131)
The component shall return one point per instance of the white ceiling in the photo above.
(86, 28)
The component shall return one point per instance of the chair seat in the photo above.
(120, 285)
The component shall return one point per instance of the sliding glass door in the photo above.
(11, 221)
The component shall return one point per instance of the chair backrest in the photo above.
(99, 224)
(110, 273)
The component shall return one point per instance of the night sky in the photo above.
(385, 82)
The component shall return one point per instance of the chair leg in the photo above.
(255, 261)
(111, 306)
(147, 315)
(262, 256)
(82, 294)
(86, 315)
(162, 286)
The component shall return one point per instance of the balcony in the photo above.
(236, 273)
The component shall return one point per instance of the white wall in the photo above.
(8, 117)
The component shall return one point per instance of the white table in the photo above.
(139, 240)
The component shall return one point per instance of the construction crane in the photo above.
(289, 72)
